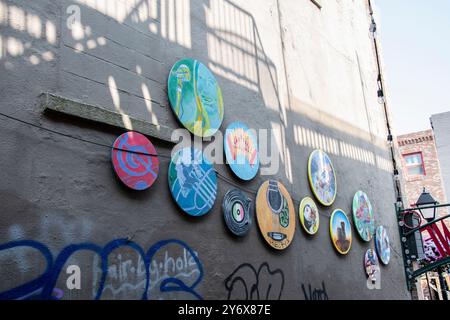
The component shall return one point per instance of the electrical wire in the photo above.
(222, 177)
(81, 139)
(255, 192)
(219, 175)
(66, 135)
(395, 251)
(388, 124)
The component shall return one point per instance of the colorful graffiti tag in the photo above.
(167, 275)
(195, 97)
(241, 150)
(135, 169)
(363, 216)
(192, 181)
(430, 250)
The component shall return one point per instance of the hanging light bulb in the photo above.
(400, 205)
(373, 29)
(390, 140)
(396, 175)
(380, 94)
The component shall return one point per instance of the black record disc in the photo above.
(236, 212)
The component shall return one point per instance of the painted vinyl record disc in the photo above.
(382, 245)
(275, 214)
(363, 216)
(135, 169)
(341, 231)
(322, 177)
(236, 209)
(309, 215)
(371, 265)
(241, 150)
(192, 181)
(195, 97)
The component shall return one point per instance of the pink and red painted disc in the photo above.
(135, 169)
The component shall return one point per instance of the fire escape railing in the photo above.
(439, 235)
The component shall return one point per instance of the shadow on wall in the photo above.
(117, 54)
(22, 28)
(104, 65)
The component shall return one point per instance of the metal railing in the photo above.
(438, 232)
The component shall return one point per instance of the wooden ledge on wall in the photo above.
(81, 110)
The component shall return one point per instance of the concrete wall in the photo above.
(308, 73)
(441, 129)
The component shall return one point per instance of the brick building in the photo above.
(441, 127)
(420, 165)
(421, 168)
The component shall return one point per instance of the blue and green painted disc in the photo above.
(195, 97)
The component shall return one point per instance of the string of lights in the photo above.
(382, 100)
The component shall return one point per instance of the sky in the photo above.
(415, 40)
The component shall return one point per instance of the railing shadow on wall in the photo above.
(26, 26)
(110, 69)
(235, 53)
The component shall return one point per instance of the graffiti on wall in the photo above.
(440, 237)
(121, 267)
(430, 250)
(248, 283)
(315, 293)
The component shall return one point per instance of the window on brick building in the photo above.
(414, 164)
